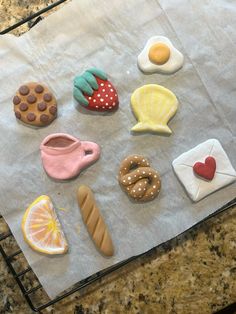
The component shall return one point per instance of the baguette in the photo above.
(94, 221)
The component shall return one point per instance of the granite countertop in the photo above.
(194, 273)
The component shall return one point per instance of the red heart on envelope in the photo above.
(205, 170)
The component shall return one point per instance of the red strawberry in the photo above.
(105, 98)
(95, 92)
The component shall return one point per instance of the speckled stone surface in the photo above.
(194, 273)
(13, 11)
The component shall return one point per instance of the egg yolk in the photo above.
(159, 53)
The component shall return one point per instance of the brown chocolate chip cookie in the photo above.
(34, 104)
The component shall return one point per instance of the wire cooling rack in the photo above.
(13, 259)
(30, 294)
(30, 18)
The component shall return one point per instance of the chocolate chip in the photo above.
(47, 97)
(53, 110)
(39, 89)
(16, 100)
(31, 116)
(44, 118)
(42, 106)
(24, 90)
(18, 114)
(31, 99)
(23, 106)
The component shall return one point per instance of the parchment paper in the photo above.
(110, 35)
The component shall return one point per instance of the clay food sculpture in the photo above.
(94, 221)
(41, 227)
(138, 179)
(159, 55)
(93, 91)
(35, 105)
(65, 156)
(153, 106)
(207, 169)
(204, 169)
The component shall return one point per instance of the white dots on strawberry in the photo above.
(95, 92)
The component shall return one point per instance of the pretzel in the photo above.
(138, 179)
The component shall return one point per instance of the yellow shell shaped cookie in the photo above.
(41, 227)
(153, 106)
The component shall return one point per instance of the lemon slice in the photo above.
(41, 227)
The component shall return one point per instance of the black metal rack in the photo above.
(86, 282)
(29, 294)
(36, 16)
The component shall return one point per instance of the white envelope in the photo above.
(196, 187)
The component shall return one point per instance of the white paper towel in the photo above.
(110, 35)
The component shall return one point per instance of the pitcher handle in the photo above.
(92, 152)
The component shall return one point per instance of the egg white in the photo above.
(174, 63)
